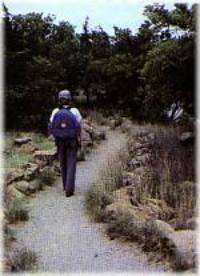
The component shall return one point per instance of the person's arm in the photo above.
(51, 121)
(78, 116)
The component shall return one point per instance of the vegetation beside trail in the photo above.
(17, 157)
(150, 193)
(140, 73)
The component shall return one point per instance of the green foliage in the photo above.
(137, 72)
(22, 260)
(17, 211)
(100, 194)
(46, 177)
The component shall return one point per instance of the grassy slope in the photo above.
(15, 158)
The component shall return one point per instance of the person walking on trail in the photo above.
(65, 126)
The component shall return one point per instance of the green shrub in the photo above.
(46, 177)
(23, 260)
(100, 194)
(125, 225)
(17, 211)
(97, 117)
(97, 198)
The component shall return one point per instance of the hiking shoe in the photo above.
(68, 194)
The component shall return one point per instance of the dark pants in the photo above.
(67, 152)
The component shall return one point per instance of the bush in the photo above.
(22, 260)
(171, 172)
(46, 177)
(125, 225)
(97, 198)
(97, 117)
(17, 211)
(100, 194)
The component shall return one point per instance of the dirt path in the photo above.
(63, 236)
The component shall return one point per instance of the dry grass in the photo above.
(15, 158)
(23, 260)
(46, 177)
(100, 194)
(171, 176)
(17, 211)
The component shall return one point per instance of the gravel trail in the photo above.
(62, 235)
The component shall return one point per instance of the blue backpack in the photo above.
(65, 125)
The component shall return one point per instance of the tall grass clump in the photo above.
(100, 194)
(172, 172)
(97, 117)
(17, 210)
(46, 177)
(22, 260)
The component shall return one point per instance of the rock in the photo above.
(181, 223)
(143, 159)
(28, 148)
(24, 187)
(22, 141)
(34, 185)
(45, 157)
(142, 132)
(99, 135)
(129, 178)
(14, 175)
(112, 124)
(156, 208)
(121, 195)
(142, 151)
(127, 126)
(5, 266)
(151, 136)
(159, 228)
(133, 164)
(185, 247)
(31, 171)
(186, 138)
(86, 139)
(12, 193)
(138, 146)
(87, 127)
(141, 171)
(191, 223)
(57, 170)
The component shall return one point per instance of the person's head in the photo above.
(64, 97)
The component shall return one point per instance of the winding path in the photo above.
(63, 236)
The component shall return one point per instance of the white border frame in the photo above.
(2, 143)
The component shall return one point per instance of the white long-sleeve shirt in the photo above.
(74, 110)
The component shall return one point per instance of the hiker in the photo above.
(65, 126)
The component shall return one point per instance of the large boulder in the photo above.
(87, 127)
(133, 164)
(31, 171)
(185, 248)
(143, 159)
(12, 193)
(99, 135)
(28, 148)
(22, 141)
(128, 178)
(24, 187)
(126, 126)
(44, 157)
(86, 139)
(159, 228)
(14, 175)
